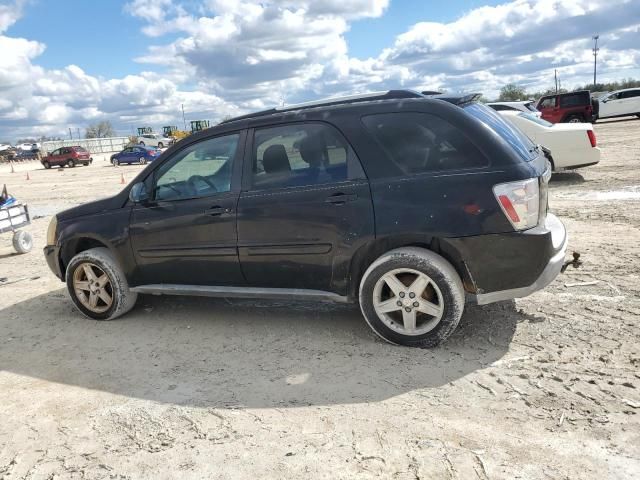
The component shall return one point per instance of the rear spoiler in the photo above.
(457, 99)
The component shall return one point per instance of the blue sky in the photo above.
(111, 51)
(69, 63)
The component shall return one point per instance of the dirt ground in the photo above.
(543, 387)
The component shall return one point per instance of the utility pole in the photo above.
(183, 118)
(595, 58)
(70, 135)
(78, 133)
(555, 73)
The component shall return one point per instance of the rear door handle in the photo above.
(341, 198)
(215, 211)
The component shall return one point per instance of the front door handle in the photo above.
(341, 198)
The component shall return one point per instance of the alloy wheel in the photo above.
(408, 301)
(93, 287)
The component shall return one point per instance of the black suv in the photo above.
(406, 204)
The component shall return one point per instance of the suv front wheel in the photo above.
(98, 286)
(412, 296)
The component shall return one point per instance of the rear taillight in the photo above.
(592, 137)
(520, 202)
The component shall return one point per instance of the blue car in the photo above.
(138, 154)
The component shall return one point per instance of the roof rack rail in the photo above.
(365, 97)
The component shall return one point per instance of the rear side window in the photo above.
(576, 100)
(300, 154)
(420, 142)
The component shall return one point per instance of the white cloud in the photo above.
(227, 57)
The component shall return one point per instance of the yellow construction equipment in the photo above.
(197, 125)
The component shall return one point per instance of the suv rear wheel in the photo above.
(574, 119)
(71, 163)
(98, 286)
(411, 296)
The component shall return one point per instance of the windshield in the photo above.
(535, 119)
(509, 132)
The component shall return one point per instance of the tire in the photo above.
(122, 299)
(46, 165)
(22, 241)
(574, 119)
(141, 143)
(71, 163)
(115, 162)
(160, 145)
(142, 160)
(443, 293)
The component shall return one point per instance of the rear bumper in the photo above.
(550, 272)
(52, 255)
(511, 265)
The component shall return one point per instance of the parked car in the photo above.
(620, 103)
(526, 106)
(28, 146)
(154, 140)
(137, 154)
(573, 107)
(571, 145)
(26, 155)
(69, 156)
(5, 146)
(405, 204)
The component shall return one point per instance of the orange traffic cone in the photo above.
(122, 182)
(28, 178)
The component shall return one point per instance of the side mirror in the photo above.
(138, 193)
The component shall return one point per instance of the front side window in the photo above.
(298, 155)
(200, 170)
(630, 94)
(420, 142)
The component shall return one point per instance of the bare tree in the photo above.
(100, 130)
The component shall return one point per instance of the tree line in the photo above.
(512, 92)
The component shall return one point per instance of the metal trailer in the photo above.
(13, 217)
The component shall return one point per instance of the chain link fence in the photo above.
(94, 145)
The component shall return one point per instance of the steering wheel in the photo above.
(193, 179)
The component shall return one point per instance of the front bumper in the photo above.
(52, 255)
(510, 265)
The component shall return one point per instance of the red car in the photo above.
(69, 156)
(573, 107)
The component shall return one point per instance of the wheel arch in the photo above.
(74, 246)
(368, 253)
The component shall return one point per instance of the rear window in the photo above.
(502, 108)
(535, 119)
(525, 148)
(531, 107)
(575, 100)
(420, 142)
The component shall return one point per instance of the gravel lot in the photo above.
(544, 387)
